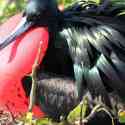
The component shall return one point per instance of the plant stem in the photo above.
(33, 75)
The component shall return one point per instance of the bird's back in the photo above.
(96, 41)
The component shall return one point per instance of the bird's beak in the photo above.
(22, 27)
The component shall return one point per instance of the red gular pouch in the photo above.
(16, 61)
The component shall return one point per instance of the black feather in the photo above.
(86, 31)
(95, 36)
(56, 95)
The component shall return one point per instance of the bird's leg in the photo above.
(33, 75)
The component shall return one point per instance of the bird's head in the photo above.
(37, 13)
(41, 10)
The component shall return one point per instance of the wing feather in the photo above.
(106, 45)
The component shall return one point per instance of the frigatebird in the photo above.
(95, 37)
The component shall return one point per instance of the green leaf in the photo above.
(43, 121)
(122, 13)
(122, 117)
(75, 114)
